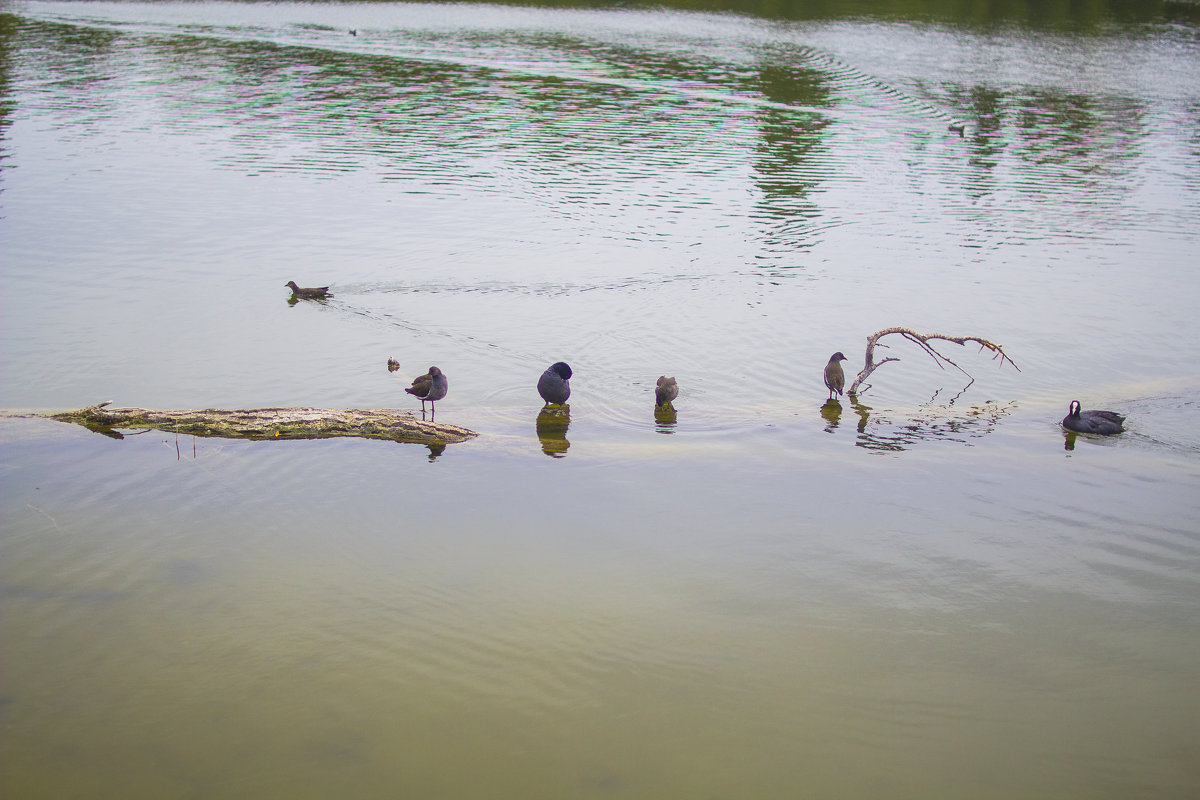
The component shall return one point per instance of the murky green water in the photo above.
(929, 593)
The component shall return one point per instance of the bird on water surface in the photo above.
(431, 386)
(1101, 422)
(315, 293)
(666, 391)
(835, 379)
(555, 384)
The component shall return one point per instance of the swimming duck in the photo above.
(316, 293)
(1101, 422)
(835, 379)
(431, 386)
(555, 384)
(666, 391)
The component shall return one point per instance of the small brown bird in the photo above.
(393, 365)
(431, 386)
(316, 293)
(666, 391)
(835, 379)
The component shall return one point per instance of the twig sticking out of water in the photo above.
(923, 340)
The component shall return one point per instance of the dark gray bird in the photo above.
(1102, 422)
(431, 386)
(666, 391)
(555, 384)
(835, 379)
(316, 293)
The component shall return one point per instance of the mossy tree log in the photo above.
(272, 423)
(923, 340)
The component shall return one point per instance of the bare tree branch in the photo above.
(923, 341)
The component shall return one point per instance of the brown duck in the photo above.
(316, 293)
(835, 379)
(665, 391)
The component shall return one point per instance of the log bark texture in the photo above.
(271, 423)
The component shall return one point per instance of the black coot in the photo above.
(1102, 422)
(555, 384)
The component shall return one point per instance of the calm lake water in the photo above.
(929, 592)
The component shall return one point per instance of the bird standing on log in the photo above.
(431, 386)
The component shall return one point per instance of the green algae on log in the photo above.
(272, 423)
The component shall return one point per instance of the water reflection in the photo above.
(1088, 15)
(1070, 437)
(664, 418)
(552, 423)
(8, 33)
(891, 432)
(294, 299)
(789, 164)
(832, 412)
(435, 450)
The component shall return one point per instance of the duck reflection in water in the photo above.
(551, 425)
(832, 412)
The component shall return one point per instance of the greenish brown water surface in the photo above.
(993, 620)
(930, 592)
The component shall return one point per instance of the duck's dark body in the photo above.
(1104, 423)
(835, 378)
(666, 391)
(431, 386)
(315, 293)
(555, 384)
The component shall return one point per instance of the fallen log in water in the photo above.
(271, 423)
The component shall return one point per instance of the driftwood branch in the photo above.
(271, 423)
(923, 341)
